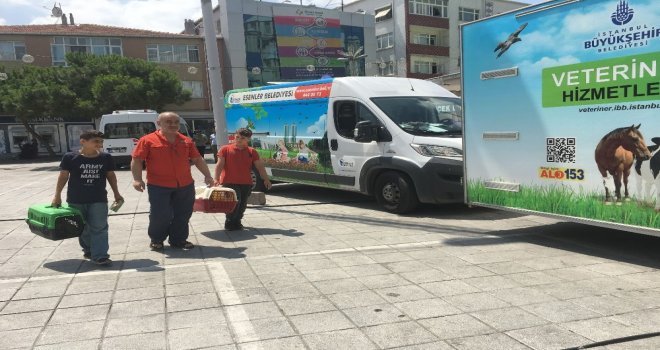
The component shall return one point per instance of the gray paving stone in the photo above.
(649, 298)
(398, 334)
(504, 268)
(292, 343)
(522, 296)
(91, 287)
(192, 302)
(146, 341)
(70, 332)
(343, 339)
(609, 304)
(263, 329)
(24, 320)
(135, 325)
(509, 318)
(137, 308)
(496, 341)
(404, 293)
(340, 286)
(456, 326)
(197, 337)
(126, 282)
(19, 338)
(646, 320)
(144, 293)
(601, 329)
(356, 299)
(383, 281)
(92, 344)
(475, 301)
(375, 315)
(206, 318)
(446, 288)
(547, 337)
(320, 322)
(244, 296)
(560, 311)
(366, 270)
(29, 305)
(41, 291)
(436, 345)
(305, 305)
(80, 314)
(77, 300)
(325, 274)
(293, 291)
(245, 312)
(202, 287)
(489, 283)
(427, 308)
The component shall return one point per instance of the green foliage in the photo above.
(89, 87)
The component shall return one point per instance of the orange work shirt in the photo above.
(168, 164)
(238, 164)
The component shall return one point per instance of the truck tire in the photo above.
(395, 192)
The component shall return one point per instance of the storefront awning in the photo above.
(383, 13)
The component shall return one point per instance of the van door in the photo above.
(348, 156)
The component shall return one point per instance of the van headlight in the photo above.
(437, 151)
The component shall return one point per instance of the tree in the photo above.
(88, 87)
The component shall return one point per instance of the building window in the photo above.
(195, 87)
(425, 39)
(384, 41)
(435, 8)
(423, 66)
(166, 53)
(467, 14)
(383, 13)
(96, 46)
(11, 50)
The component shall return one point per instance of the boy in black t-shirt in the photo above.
(86, 172)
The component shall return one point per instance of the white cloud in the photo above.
(158, 15)
(2, 21)
(545, 62)
(318, 128)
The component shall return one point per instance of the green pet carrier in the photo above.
(55, 223)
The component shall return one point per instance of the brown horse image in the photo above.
(615, 154)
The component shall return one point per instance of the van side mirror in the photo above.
(365, 132)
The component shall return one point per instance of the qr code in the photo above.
(560, 149)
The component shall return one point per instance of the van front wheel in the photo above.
(395, 192)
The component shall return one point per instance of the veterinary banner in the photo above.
(562, 111)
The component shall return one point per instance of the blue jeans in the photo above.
(171, 209)
(94, 238)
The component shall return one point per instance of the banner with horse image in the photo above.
(562, 111)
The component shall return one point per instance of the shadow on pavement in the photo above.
(204, 252)
(80, 266)
(248, 234)
(590, 240)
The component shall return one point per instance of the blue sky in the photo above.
(159, 15)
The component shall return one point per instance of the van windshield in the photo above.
(424, 115)
(132, 130)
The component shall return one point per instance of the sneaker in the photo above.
(103, 261)
(233, 227)
(156, 245)
(184, 245)
(87, 256)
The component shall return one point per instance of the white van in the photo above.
(398, 139)
(122, 129)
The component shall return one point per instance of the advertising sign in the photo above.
(562, 111)
(307, 42)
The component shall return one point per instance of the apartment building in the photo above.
(274, 42)
(420, 38)
(46, 45)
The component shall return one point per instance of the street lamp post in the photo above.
(215, 79)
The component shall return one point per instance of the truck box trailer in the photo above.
(562, 112)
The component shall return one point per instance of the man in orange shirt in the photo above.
(167, 154)
(233, 170)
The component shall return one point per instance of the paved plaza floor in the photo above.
(324, 269)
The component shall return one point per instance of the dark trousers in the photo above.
(171, 209)
(242, 194)
(214, 150)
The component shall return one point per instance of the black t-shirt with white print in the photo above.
(87, 177)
